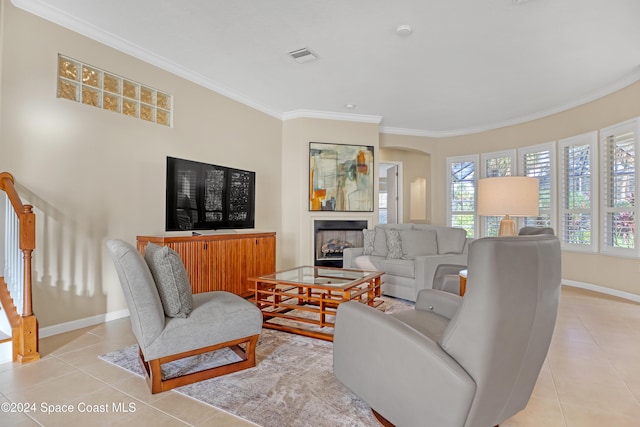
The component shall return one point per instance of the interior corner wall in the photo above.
(296, 246)
(594, 269)
(415, 164)
(93, 174)
(416, 154)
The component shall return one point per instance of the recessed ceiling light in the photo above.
(350, 106)
(404, 30)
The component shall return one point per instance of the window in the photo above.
(619, 180)
(578, 187)
(461, 194)
(92, 86)
(502, 163)
(538, 161)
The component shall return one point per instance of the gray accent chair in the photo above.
(218, 320)
(456, 361)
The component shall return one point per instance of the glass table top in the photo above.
(308, 275)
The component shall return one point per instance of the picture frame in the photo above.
(341, 177)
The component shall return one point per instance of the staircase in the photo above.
(15, 285)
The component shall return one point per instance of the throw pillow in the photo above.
(369, 236)
(394, 245)
(171, 280)
(418, 242)
(380, 242)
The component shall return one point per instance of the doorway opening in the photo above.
(389, 193)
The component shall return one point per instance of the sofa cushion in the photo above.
(418, 242)
(367, 262)
(398, 267)
(369, 238)
(171, 280)
(451, 240)
(394, 245)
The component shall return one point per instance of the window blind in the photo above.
(494, 165)
(619, 207)
(537, 164)
(577, 174)
(462, 194)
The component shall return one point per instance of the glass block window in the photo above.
(538, 161)
(461, 193)
(92, 86)
(501, 163)
(619, 209)
(578, 191)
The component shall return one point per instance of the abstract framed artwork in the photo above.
(340, 177)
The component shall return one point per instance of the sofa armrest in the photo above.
(398, 371)
(348, 254)
(467, 242)
(443, 303)
(426, 266)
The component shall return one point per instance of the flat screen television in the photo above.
(203, 196)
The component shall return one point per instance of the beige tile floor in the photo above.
(591, 376)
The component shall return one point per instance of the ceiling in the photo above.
(469, 65)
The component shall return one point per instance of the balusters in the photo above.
(14, 263)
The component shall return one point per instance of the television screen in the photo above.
(202, 196)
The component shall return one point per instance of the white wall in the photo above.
(93, 175)
(297, 222)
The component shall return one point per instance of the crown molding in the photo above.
(59, 17)
(410, 132)
(329, 115)
(629, 79)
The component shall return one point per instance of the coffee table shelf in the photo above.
(311, 296)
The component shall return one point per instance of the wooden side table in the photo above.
(463, 281)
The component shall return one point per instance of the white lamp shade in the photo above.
(508, 195)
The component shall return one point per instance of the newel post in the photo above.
(28, 345)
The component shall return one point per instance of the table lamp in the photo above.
(508, 196)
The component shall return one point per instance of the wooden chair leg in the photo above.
(382, 420)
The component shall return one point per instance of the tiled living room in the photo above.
(591, 376)
(96, 98)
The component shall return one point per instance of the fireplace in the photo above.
(331, 237)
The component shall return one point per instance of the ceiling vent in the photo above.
(302, 55)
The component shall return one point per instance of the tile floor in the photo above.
(591, 377)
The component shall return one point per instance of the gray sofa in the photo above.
(409, 254)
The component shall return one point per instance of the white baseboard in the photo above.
(602, 290)
(81, 323)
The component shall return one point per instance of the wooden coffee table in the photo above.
(310, 296)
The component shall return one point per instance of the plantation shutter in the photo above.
(496, 164)
(578, 183)
(461, 195)
(537, 162)
(619, 208)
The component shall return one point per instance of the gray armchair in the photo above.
(215, 320)
(467, 361)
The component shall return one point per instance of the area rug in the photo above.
(292, 385)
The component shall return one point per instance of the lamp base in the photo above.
(507, 227)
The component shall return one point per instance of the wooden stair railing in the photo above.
(24, 324)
